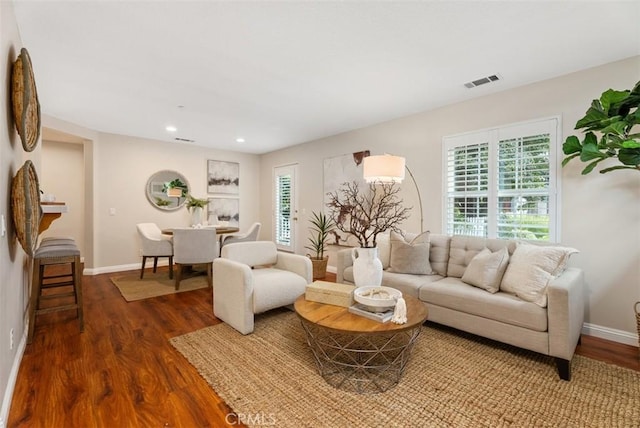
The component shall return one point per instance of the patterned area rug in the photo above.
(153, 285)
(452, 380)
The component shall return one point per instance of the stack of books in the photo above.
(362, 310)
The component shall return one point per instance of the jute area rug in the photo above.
(452, 380)
(153, 285)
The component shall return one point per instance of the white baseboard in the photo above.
(611, 334)
(119, 268)
(332, 269)
(11, 382)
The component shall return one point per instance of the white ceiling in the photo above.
(282, 73)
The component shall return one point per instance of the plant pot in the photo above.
(196, 216)
(367, 268)
(319, 267)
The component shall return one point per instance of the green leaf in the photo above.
(568, 158)
(592, 117)
(615, 127)
(590, 148)
(571, 145)
(631, 144)
(613, 168)
(633, 118)
(590, 167)
(629, 156)
(610, 97)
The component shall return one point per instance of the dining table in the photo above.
(220, 231)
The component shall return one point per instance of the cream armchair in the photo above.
(249, 235)
(154, 244)
(253, 277)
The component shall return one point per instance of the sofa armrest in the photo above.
(297, 264)
(343, 260)
(565, 311)
(233, 294)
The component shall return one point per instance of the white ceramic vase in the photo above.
(196, 216)
(367, 268)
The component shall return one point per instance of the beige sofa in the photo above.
(552, 329)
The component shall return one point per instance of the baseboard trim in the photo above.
(119, 268)
(612, 334)
(11, 382)
(332, 269)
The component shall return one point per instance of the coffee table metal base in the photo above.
(364, 363)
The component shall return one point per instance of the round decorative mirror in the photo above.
(167, 190)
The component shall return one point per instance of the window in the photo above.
(502, 182)
(284, 207)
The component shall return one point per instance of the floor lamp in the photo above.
(390, 169)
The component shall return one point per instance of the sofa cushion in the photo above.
(531, 268)
(464, 248)
(410, 257)
(439, 253)
(486, 269)
(454, 294)
(384, 249)
(408, 284)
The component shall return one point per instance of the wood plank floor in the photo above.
(122, 371)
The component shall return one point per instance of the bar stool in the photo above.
(49, 254)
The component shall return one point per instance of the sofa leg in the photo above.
(564, 368)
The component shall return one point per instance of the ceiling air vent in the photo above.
(185, 140)
(482, 81)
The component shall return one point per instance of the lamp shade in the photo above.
(384, 169)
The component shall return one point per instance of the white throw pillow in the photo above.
(531, 268)
(384, 249)
(486, 269)
(410, 257)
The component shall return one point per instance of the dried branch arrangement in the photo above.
(369, 213)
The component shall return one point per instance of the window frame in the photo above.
(493, 136)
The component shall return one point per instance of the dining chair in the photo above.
(250, 235)
(154, 244)
(193, 247)
(254, 277)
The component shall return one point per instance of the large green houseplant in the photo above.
(613, 117)
(320, 227)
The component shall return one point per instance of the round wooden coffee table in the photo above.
(355, 353)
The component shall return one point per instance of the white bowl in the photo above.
(376, 299)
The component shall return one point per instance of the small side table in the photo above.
(355, 353)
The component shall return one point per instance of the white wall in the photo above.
(14, 264)
(122, 166)
(600, 213)
(63, 176)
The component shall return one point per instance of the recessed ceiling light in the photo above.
(171, 128)
(239, 140)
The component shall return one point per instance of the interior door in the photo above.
(285, 212)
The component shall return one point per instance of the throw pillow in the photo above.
(531, 268)
(410, 257)
(384, 249)
(486, 269)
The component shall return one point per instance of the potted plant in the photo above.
(195, 206)
(321, 225)
(365, 215)
(614, 116)
(175, 188)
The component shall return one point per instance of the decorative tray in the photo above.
(24, 100)
(377, 299)
(25, 206)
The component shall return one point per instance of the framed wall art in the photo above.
(223, 177)
(224, 210)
